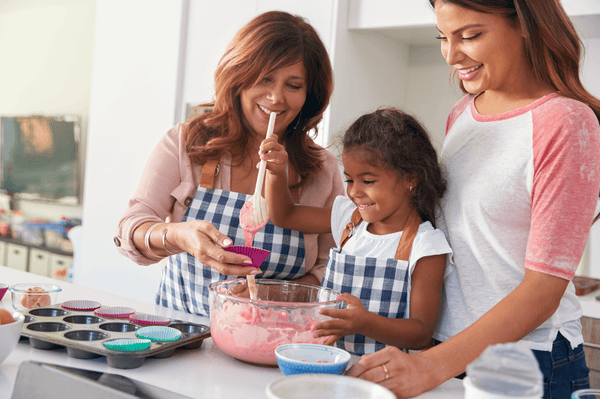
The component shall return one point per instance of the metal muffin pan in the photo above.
(83, 333)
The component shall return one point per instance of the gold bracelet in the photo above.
(164, 241)
(147, 241)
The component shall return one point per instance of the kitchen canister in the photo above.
(504, 371)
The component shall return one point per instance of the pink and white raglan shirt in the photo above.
(522, 192)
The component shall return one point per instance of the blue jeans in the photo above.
(564, 369)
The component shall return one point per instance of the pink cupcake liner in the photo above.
(83, 305)
(145, 318)
(114, 311)
(257, 255)
(3, 289)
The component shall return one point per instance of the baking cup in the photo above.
(145, 318)
(128, 344)
(257, 255)
(158, 333)
(83, 305)
(114, 311)
(3, 288)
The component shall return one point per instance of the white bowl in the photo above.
(330, 386)
(9, 335)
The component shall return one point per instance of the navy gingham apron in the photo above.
(184, 283)
(381, 284)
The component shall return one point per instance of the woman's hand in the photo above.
(345, 321)
(203, 241)
(275, 155)
(405, 375)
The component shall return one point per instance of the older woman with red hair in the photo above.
(200, 174)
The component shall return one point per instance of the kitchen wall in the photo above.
(46, 49)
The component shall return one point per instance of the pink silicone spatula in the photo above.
(255, 212)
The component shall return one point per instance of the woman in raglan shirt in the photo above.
(522, 157)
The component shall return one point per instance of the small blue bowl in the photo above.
(311, 358)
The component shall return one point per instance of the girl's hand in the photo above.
(405, 375)
(275, 155)
(331, 340)
(203, 241)
(346, 321)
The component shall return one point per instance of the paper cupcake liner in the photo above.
(128, 344)
(114, 311)
(83, 305)
(156, 333)
(3, 289)
(145, 318)
(258, 255)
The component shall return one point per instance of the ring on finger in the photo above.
(385, 371)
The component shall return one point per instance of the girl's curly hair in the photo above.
(395, 140)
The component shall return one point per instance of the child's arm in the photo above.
(412, 333)
(282, 210)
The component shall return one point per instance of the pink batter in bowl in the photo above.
(285, 313)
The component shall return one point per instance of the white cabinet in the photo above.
(58, 262)
(390, 14)
(3, 248)
(16, 256)
(39, 262)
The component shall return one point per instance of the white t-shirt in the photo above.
(428, 241)
(522, 191)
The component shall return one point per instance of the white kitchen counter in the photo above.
(590, 305)
(197, 373)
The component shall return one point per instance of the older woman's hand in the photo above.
(406, 375)
(203, 241)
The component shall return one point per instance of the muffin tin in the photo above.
(83, 334)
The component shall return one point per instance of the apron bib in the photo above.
(381, 284)
(184, 283)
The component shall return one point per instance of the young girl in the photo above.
(390, 260)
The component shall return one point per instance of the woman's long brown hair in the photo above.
(553, 47)
(270, 41)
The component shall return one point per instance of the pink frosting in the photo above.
(248, 334)
(248, 226)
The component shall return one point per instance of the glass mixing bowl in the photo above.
(285, 313)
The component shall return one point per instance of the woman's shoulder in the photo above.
(559, 107)
(562, 119)
(458, 108)
(326, 156)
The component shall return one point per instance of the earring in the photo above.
(298, 121)
(410, 189)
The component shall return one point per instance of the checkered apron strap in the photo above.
(409, 233)
(411, 227)
(348, 232)
(210, 169)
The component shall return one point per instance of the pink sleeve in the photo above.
(566, 162)
(458, 109)
(153, 199)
